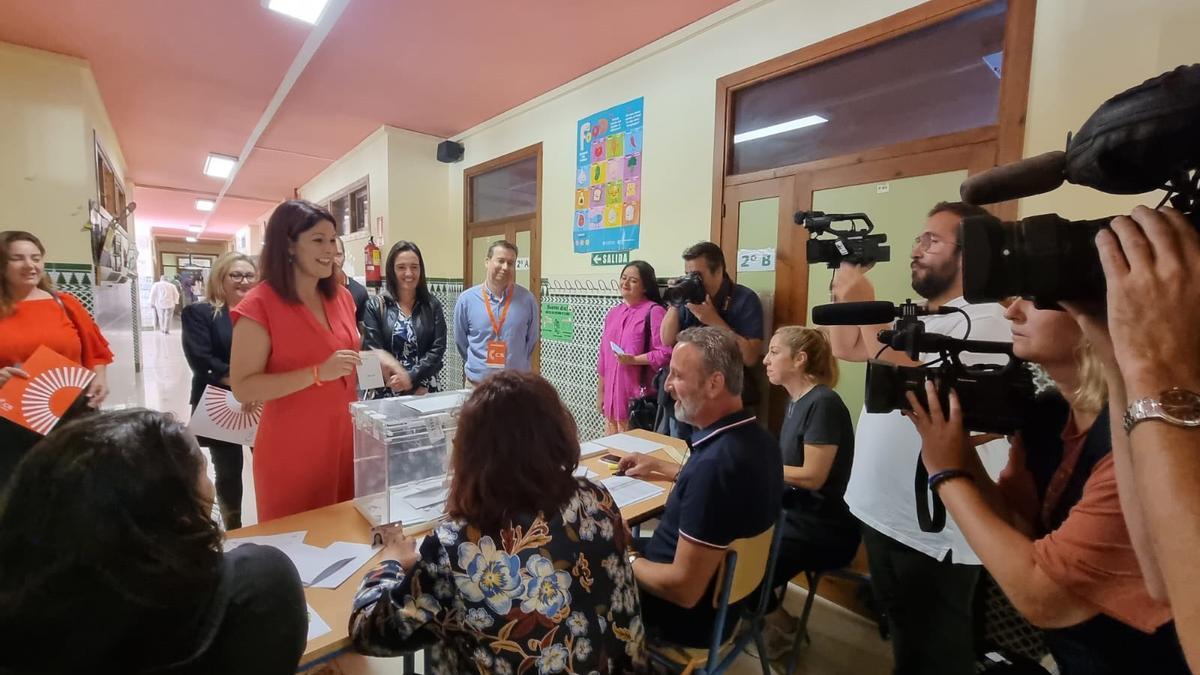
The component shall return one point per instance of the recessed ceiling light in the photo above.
(205, 204)
(790, 125)
(219, 166)
(191, 240)
(306, 10)
(195, 228)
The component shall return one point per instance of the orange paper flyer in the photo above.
(38, 403)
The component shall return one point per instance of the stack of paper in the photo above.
(588, 448)
(584, 472)
(628, 443)
(626, 490)
(327, 567)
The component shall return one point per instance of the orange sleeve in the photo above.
(1091, 555)
(94, 350)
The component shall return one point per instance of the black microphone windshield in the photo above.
(1023, 178)
(854, 313)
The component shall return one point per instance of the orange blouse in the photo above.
(45, 322)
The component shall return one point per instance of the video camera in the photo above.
(995, 398)
(687, 289)
(851, 245)
(1146, 138)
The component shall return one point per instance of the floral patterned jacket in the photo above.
(551, 596)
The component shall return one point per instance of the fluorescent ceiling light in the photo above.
(780, 128)
(195, 228)
(205, 204)
(305, 10)
(219, 166)
(191, 240)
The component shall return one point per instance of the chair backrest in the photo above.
(753, 553)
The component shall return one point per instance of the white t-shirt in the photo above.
(887, 448)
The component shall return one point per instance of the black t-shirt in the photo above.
(819, 417)
(360, 295)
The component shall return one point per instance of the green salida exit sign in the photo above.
(610, 258)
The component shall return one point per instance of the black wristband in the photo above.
(942, 476)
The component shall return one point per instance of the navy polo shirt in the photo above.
(730, 488)
(737, 305)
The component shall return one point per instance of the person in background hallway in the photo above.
(634, 326)
(923, 581)
(33, 314)
(529, 568)
(1051, 530)
(207, 340)
(817, 441)
(295, 347)
(496, 323)
(357, 290)
(407, 322)
(110, 563)
(164, 295)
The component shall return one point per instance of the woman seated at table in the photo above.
(110, 561)
(406, 322)
(530, 567)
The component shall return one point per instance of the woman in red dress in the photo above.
(295, 347)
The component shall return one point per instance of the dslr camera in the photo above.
(687, 289)
(852, 244)
(1144, 139)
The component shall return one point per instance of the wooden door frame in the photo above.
(473, 229)
(1008, 133)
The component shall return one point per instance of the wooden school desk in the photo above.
(342, 522)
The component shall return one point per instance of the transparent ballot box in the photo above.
(401, 453)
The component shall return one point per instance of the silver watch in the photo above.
(1175, 406)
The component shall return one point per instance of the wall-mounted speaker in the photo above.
(449, 151)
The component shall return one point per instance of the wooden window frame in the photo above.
(1008, 133)
(119, 200)
(347, 192)
(473, 228)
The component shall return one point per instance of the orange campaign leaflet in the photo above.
(38, 403)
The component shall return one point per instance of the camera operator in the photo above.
(1151, 262)
(1051, 531)
(727, 305)
(923, 581)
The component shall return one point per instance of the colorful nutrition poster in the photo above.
(39, 402)
(608, 180)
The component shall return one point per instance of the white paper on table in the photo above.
(616, 348)
(370, 371)
(219, 416)
(628, 443)
(432, 404)
(626, 490)
(428, 497)
(357, 555)
(584, 472)
(266, 540)
(312, 562)
(316, 625)
(588, 449)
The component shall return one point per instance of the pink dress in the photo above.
(626, 325)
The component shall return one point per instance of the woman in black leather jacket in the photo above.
(406, 321)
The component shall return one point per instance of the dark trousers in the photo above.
(227, 464)
(929, 607)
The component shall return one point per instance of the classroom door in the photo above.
(519, 232)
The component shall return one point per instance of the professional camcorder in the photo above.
(687, 289)
(853, 245)
(995, 398)
(1143, 139)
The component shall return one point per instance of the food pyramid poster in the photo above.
(608, 180)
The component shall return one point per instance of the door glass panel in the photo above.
(507, 191)
(524, 255)
(758, 232)
(898, 210)
(479, 247)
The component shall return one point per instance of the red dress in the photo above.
(304, 450)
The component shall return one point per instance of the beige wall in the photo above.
(49, 108)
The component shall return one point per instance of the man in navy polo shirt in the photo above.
(730, 488)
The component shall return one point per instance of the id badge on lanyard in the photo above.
(497, 349)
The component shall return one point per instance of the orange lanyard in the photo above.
(487, 303)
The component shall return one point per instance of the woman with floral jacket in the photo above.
(529, 573)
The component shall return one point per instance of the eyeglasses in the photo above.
(239, 277)
(927, 241)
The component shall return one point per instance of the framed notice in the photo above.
(608, 180)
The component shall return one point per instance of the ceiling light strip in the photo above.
(333, 11)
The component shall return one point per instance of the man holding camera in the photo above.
(723, 304)
(924, 581)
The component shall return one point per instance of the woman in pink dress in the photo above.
(295, 347)
(633, 326)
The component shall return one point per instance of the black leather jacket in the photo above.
(429, 323)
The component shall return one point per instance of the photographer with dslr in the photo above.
(923, 581)
(706, 296)
(1051, 530)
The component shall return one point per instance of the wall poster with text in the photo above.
(608, 179)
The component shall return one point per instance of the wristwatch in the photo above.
(1175, 406)
(631, 556)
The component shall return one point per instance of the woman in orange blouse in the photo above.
(33, 314)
